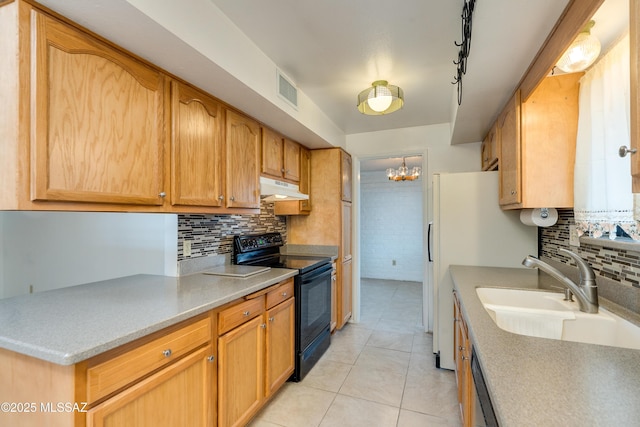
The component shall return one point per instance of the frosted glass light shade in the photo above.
(380, 98)
(583, 52)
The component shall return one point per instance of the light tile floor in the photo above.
(377, 373)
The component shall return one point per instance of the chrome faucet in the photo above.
(586, 292)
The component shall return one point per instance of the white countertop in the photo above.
(69, 325)
(544, 382)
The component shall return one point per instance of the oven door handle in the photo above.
(321, 271)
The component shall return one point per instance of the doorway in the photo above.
(390, 230)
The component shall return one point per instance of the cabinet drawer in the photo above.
(239, 313)
(279, 294)
(107, 377)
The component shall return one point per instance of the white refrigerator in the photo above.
(469, 228)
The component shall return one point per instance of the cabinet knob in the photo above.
(284, 294)
(162, 194)
(232, 198)
(282, 170)
(246, 313)
(167, 352)
(271, 319)
(221, 197)
(263, 326)
(513, 192)
(211, 358)
(624, 150)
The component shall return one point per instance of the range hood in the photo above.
(272, 190)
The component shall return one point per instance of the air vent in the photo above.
(287, 90)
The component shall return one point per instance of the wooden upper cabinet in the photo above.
(291, 160)
(508, 130)
(490, 149)
(97, 124)
(346, 174)
(196, 148)
(305, 179)
(538, 144)
(280, 156)
(272, 153)
(242, 144)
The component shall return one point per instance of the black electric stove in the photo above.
(312, 291)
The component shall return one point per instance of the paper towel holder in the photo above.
(544, 213)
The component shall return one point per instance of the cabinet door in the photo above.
(345, 294)
(196, 148)
(243, 161)
(305, 178)
(280, 360)
(346, 172)
(98, 121)
(179, 395)
(346, 231)
(490, 150)
(509, 141)
(272, 153)
(241, 373)
(291, 163)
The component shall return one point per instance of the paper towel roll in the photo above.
(543, 217)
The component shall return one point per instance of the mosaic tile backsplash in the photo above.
(619, 265)
(213, 234)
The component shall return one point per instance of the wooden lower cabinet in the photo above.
(280, 350)
(257, 356)
(464, 377)
(344, 294)
(241, 373)
(178, 395)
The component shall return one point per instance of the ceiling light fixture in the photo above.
(380, 98)
(582, 53)
(402, 173)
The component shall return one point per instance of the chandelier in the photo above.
(402, 173)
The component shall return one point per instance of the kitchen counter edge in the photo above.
(69, 325)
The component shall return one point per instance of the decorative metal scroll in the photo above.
(464, 45)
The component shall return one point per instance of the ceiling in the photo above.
(333, 49)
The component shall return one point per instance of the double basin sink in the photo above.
(546, 314)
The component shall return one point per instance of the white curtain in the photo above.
(602, 181)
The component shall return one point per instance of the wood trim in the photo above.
(634, 45)
(573, 19)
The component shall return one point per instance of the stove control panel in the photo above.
(255, 242)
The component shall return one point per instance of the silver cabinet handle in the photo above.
(162, 194)
(211, 359)
(271, 319)
(284, 294)
(246, 313)
(232, 198)
(624, 150)
(221, 197)
(263, 326)
(167, 353)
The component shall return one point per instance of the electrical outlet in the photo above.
(186, 248)
(574, 239)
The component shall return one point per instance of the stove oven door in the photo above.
(313, 297)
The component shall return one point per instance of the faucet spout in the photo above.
(586, 292)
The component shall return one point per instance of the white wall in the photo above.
(52, 250)
(391, 228)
